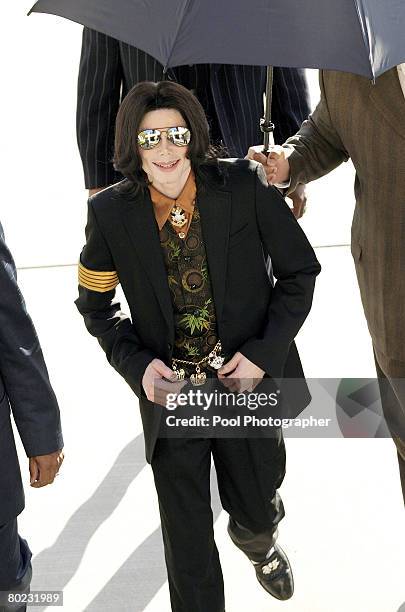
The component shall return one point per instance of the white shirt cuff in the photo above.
(283, 185)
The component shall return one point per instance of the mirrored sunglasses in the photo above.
(179, 136)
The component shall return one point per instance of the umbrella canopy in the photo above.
(366, 37)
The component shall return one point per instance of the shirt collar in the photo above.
(162, 204)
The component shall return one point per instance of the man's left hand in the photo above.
(240, 374)
(44, 468)
(277, 169)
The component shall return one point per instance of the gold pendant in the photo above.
(216, 362)
(180, 374)
(198, 378)
(178, 217)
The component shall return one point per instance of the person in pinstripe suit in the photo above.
(232, 97)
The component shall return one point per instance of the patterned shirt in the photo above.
(191, 291)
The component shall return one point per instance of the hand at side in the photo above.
(44, 468)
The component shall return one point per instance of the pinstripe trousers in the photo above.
(15, 565)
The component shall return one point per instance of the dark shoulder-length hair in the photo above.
(146, 97)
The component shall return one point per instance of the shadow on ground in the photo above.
(141, 576)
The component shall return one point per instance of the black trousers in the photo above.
(392, 391)
(15, 565)
(249, 472)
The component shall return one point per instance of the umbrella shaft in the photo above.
(268, 141)
(266, 125)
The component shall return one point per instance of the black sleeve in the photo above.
(98, 98)
(295, 267)
(102, 315)
(291, 103)
(22, 367)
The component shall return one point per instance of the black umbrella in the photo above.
(362, 36)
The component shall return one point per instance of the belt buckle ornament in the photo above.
(198, 378)
(180, 374)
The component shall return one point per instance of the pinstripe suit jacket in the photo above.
(232, 97)
(366, 122)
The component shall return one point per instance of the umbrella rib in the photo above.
(167, 65)
(365, 32)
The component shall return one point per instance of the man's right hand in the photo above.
(159, 380)
(276, 165)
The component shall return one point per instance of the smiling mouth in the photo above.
(166, 165)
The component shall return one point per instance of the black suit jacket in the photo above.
(24, 386)
(241, 217)
(232, 97)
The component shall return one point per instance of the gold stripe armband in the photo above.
(96, 280)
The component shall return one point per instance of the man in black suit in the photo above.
(232, 98)
(25, 388)
(184, 235)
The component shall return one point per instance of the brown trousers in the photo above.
(392, 390)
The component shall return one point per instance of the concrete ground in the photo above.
(95, 532)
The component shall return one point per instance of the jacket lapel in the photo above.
(388, 97)
(140, 224)
(215, 212)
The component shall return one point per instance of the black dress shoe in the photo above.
(275, 574)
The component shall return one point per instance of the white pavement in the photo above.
(95, 532)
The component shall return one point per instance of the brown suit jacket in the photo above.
(366, 122)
